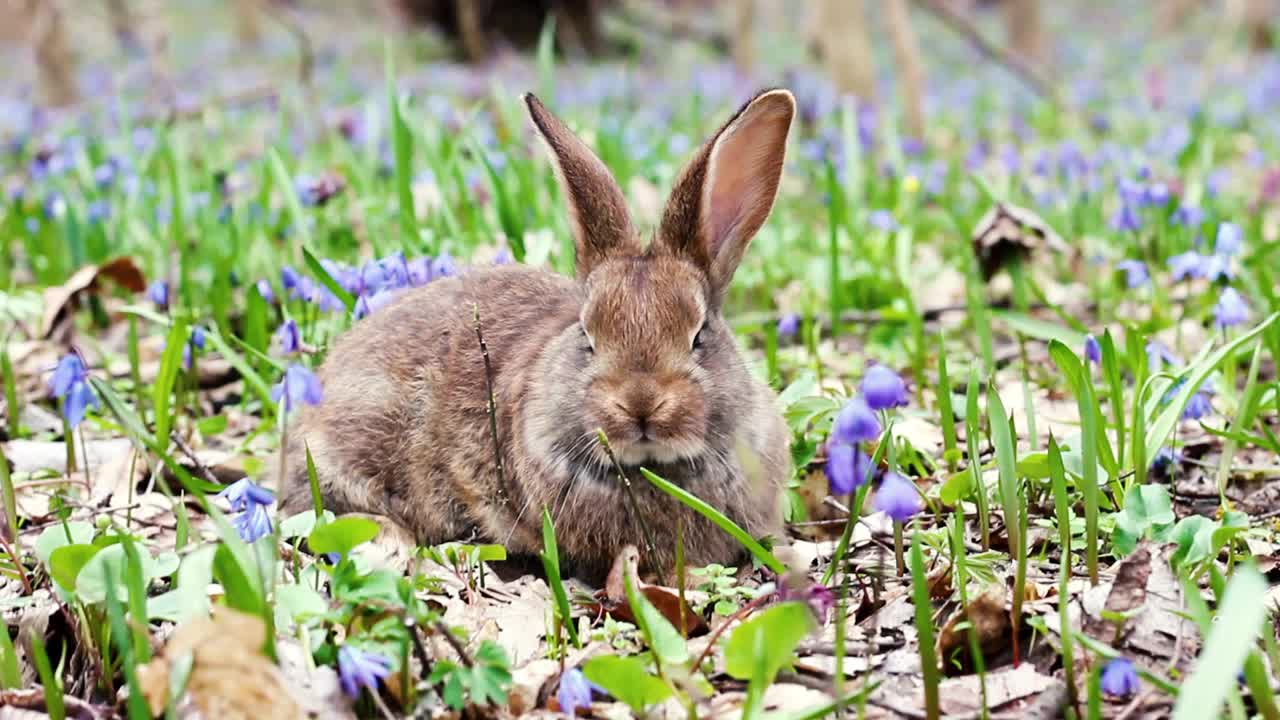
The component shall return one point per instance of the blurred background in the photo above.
(175, 54)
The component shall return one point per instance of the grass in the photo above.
(259, 214)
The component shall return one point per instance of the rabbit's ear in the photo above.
(597, 209)
(726, 192)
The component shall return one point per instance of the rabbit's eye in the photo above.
(700, 337)
(587, 347)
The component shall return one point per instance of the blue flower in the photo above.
(847, 468)
(575, 692)
(1126, 218)
(855, 423)
(1188, 215)
(1230, 239)
(243, 493)
(158, 293)
(1092, 350)
(419, 271)
(1165, 457)
(897, 497)
(1198, 406)
(299, 385)
(1231, 309)
(70, 383)
(1158, 354)
(1119, 678)
(197, 337)
(1188, 265)
(253, 524)
(368, 304)
(883, 388)
(264, 289)
(290, 338)
(443, 266)
(788, 325)
(290, 278)
(882, 220)
(361, 669)
(1135, 273)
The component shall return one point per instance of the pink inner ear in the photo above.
(742, 180)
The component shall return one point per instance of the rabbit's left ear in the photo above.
(726, 192)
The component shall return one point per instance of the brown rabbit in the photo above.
(636, 345)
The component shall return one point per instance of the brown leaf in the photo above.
(29, 703)
(230, 678)
(60, 301)
(666, 600)
(990, 621)
(962, 695)
(1128, 592)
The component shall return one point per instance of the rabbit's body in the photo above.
(635, 346)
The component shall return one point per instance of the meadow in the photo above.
(1033, 354)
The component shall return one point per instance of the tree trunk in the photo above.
(844, 43)
(1022, 21)
(743, 42)
(906, 52)
(1172, 15)
(55, 62)
(249, 21)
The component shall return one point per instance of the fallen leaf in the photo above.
(613, 601)
(61, 300)
(962, 695)
(21, 704)
(230, 678)
(987, 615)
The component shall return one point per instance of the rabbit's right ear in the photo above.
(598, 213)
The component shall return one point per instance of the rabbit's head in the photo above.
(651, 360)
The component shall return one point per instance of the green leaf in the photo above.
(1039, 329)
(295, 603)
(92, 580)
(327, 280)
(1146, 508)
(190, 598)
(342, 535)
(1195, 376)
(67, 561)
(55, 536)
(779, 628)
(742, 536)
(240, 587)
(664, 640)
(301, 524)
(1243, 610)
(627, 680)
(551, 565)
(162, 391)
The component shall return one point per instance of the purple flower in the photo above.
(243, 493)
(1188, 215)
(855, 423)
(1231, 309)
(443, 266)
(299, 385)
(1164, 458)
(502, 258)
(897, 497)
(361, 669)
(1197, 407)
(252, 524)
(70, 383)
(264, 289)
(817, 596)
(1135, 273)
(1187, 265)
(1119, 678)
(419, 271)
(575, 692)
(883, 388)
(290, 278)
(290, 338)
(158, 293)
(1126, 218)
(368, 304)
(1092, 350)
(882, 220)
(788, 325)
(847, 468)
(1159, 354)
(1230, 239)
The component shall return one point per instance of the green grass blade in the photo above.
(765, 557)
(162, 391)
(924, 629)
(327, 280)
(1242, 613)
(54, 704)
(551, 564)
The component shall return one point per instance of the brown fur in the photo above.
(403, 430)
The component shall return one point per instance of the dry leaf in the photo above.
(60, 301)
(230, 678)
(613, 599)
(962, 695)
(989, 618)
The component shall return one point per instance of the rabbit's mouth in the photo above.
(643, 451)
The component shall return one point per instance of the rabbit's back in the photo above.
(403, 429)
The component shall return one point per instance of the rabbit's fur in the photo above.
(636, 345)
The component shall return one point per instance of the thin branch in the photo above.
(454, 643)
(965, 27)
(503, 496)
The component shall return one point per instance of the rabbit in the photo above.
(635, 345)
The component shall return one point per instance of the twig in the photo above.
(962, 25)
(453, 642)
(635, 505)
(503, 496)
(202, 469)
(17, 564)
